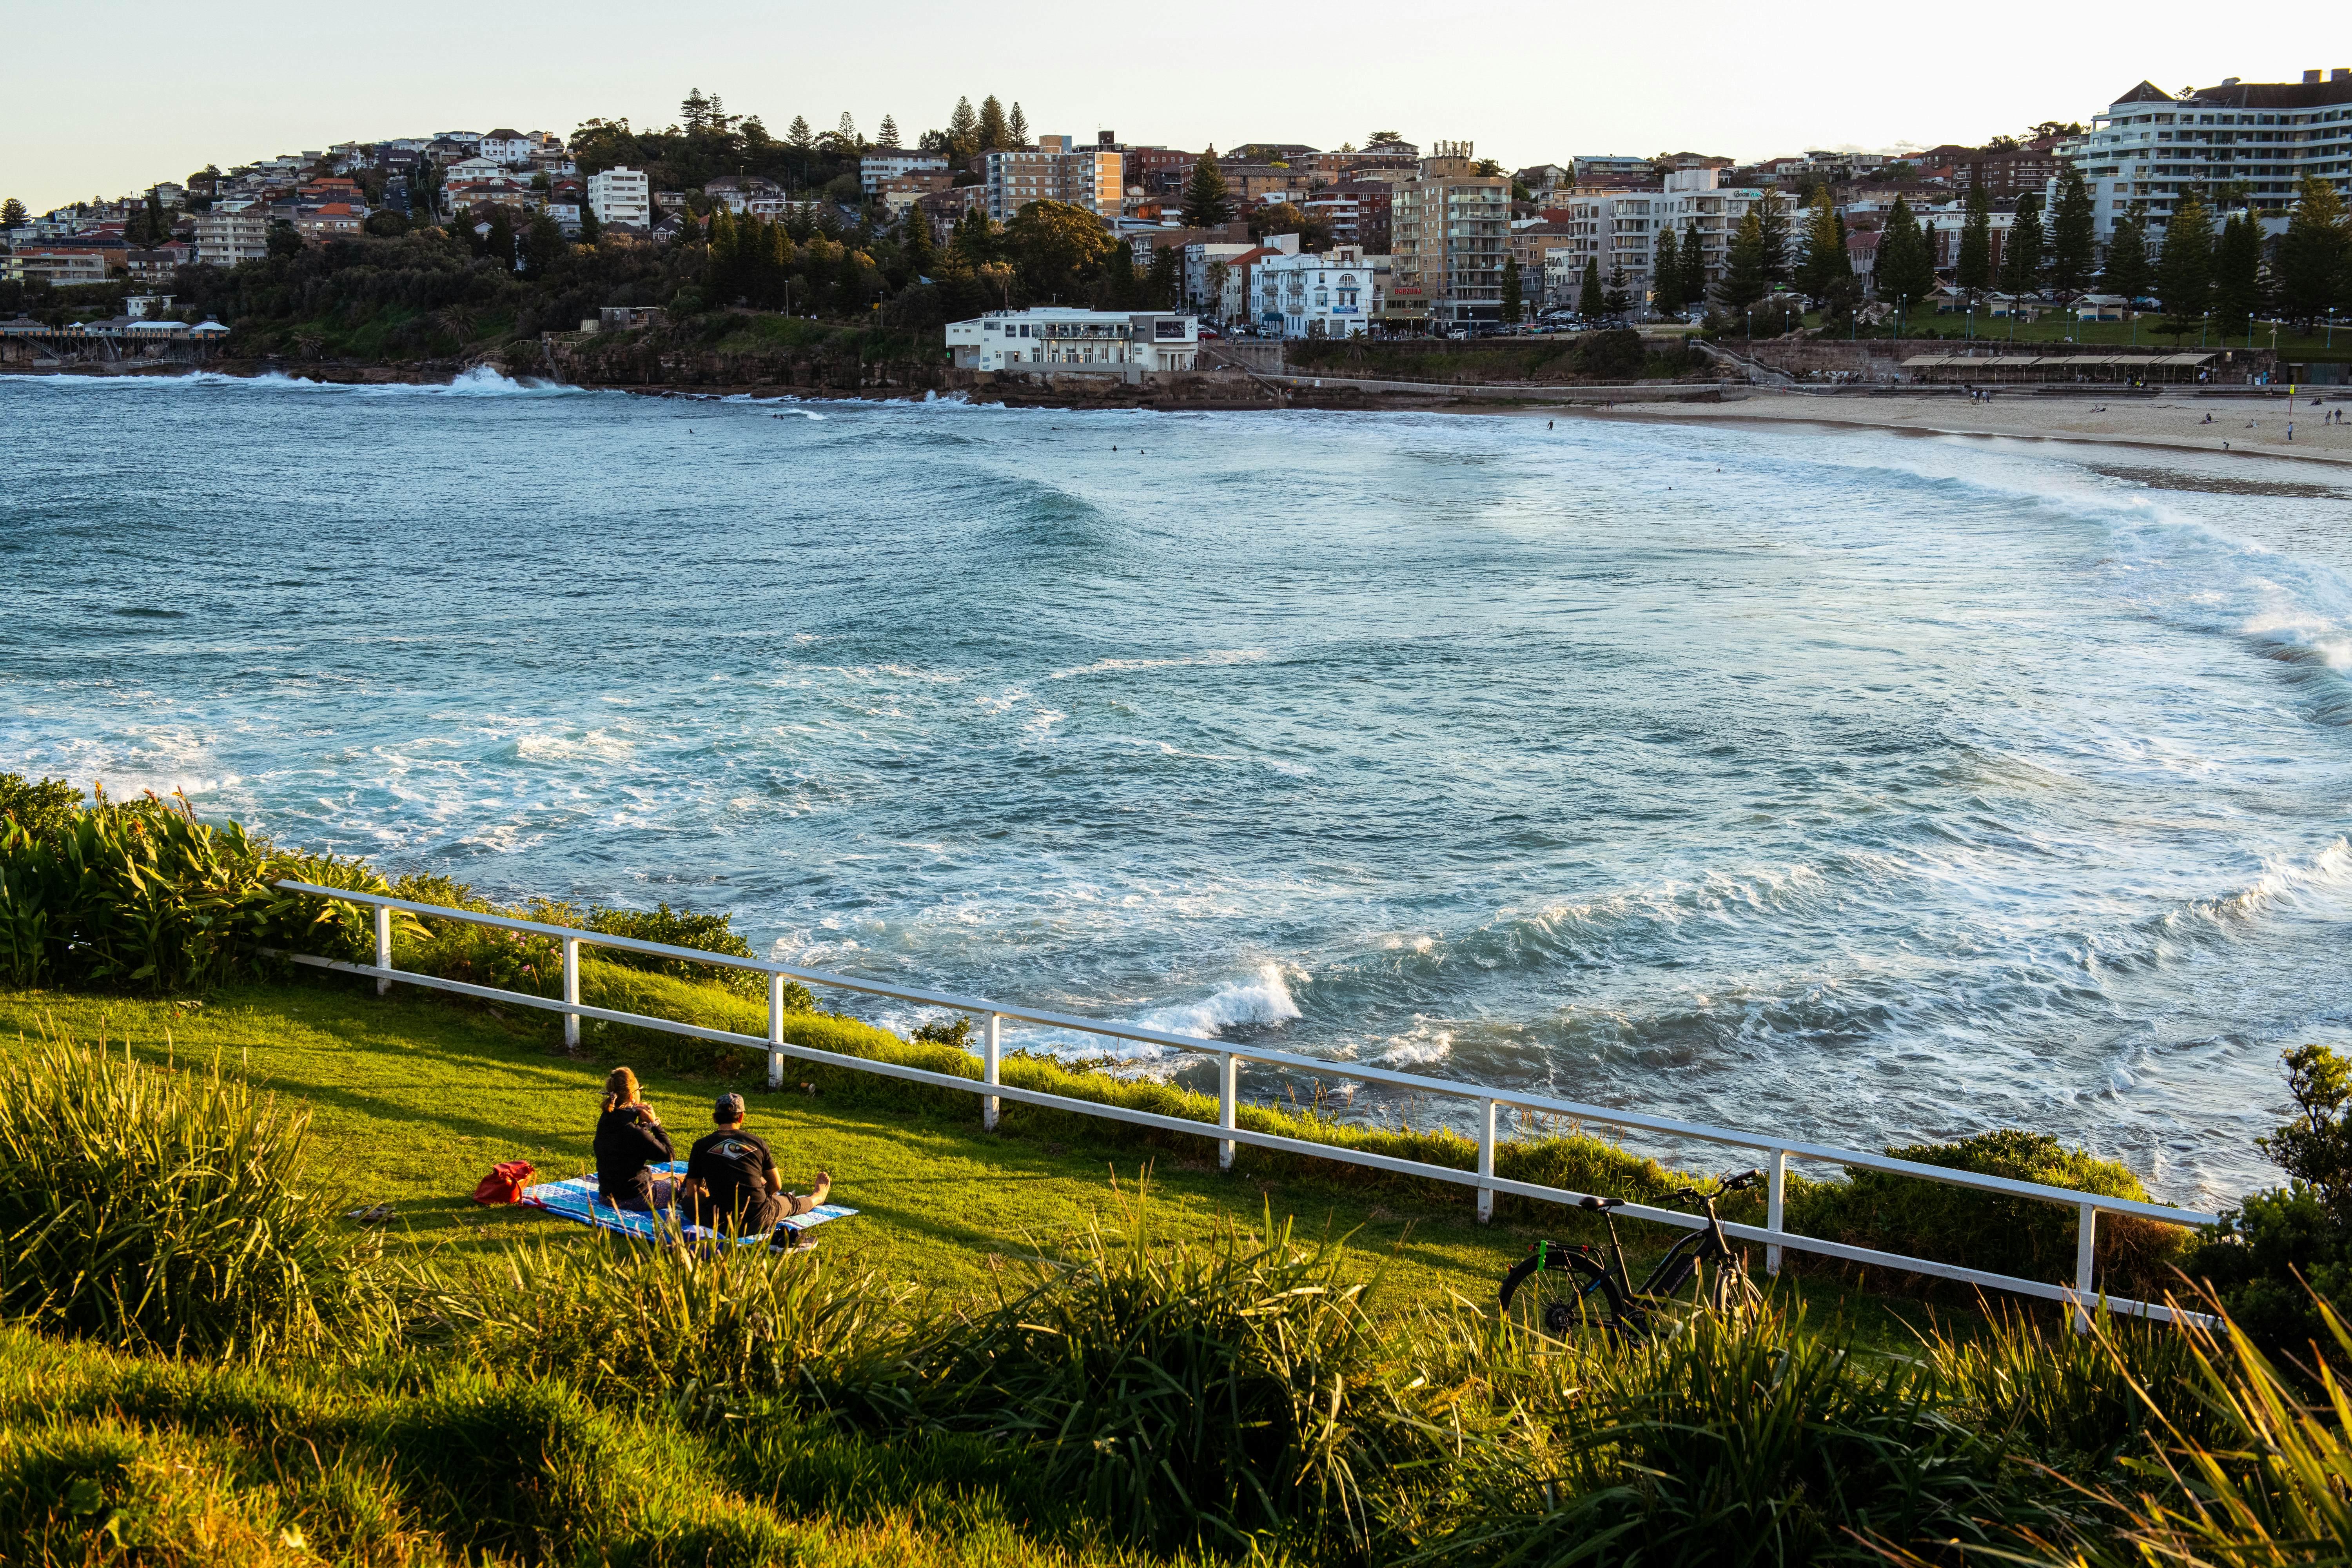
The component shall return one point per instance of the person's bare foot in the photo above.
(817, 1193)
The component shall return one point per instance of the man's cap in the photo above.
(729, 1108)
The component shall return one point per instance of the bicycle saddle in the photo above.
(1601, 1203)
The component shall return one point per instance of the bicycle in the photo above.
(1559, 1290)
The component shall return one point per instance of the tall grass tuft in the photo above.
(169, 1210)
(1734, 1441)
(629, 1323)
(1178, 1394)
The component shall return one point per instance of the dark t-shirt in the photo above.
(734, 1167)
(624, 1146)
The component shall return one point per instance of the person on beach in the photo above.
(629, 1137)
(731, 1183)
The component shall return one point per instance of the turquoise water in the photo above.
(1861, 787)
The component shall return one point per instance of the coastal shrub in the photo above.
(1610, 354)
(139, 895)
(2081, 1401)
(43, 807)
(2281, 1243)
(2025, 1236)
(171, 1210)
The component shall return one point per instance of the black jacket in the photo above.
(625, 1145)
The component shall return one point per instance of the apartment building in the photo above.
(739, 193)
(58, 268)
(896, 163)
(1207, 264)
(1448, 232)
(1333, 294)
(1619, 231)
(2152, 147)
(621, 195)
(1055, 170)
(1359, 211)
(1049, 337)
(225, 238)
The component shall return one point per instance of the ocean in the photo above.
(1865, 787)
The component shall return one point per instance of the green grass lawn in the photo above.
(2146, 332)
(416, 1096)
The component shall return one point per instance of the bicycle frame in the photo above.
(1672, 1269)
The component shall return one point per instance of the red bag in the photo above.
(504, 1184)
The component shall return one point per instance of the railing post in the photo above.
(1487, 1161)
(382, 947)
(775, 1031)
(1776, 1192)
(2086, 1237)
(991, 1057)
(1228, 1083)
(571, 992)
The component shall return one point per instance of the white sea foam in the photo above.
(1216, 656)
(1263, 998)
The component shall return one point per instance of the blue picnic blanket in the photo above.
(576, 1201)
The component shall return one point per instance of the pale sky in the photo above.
(234, 81)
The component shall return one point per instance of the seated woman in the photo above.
(629, 1137)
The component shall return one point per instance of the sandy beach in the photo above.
(2248, 426)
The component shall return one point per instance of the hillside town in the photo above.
(2231, 193)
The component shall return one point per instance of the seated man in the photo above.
(731, 1182)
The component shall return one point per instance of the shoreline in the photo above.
(2152, 427)
(2130, 426)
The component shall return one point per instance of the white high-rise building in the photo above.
(225, 238)
(621, 195)
(2152, 147)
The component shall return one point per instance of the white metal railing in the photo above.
(1773, 1235)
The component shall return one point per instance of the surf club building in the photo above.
(1057, 339)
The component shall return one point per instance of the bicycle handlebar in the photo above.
(1738, 1180)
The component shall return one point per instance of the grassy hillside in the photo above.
(414, 1096)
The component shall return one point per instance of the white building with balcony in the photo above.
(621, 195)
(1333, 294)
(2151, 148)
(1061, 338)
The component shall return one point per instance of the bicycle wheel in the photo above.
(1560, 1292)
(1730, 1294)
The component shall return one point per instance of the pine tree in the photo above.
(2238, 272)
(1825, 258)
(1207, 203)
(721, 265)
(915, 245)
(994, 135)
(1746, 276)
(800, 138)
(591, 231)
(1772, 236)
(1511, 298)
(1667, 273)
(1588, 301)
(2128, 271)
(2315, 255)
(1906, 267)
(2184, 266)
(2021, 254)
(1618, 299)
(12, 214)
(963, 130)
(2073, 245)
(1018, 126)
(695, 111)
(846, 134)
(1972, 271)
(1696, 280)
(888, 135)
(1166, 278)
